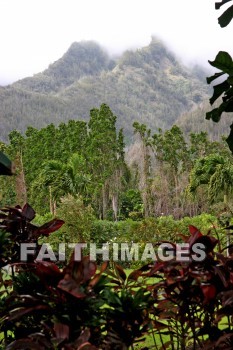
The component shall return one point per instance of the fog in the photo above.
(36, 33)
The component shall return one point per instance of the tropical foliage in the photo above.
(79, 305)
(154, 177)
(223, 62)
(214, 171)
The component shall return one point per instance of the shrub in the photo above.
(80, 306)
(78, 219)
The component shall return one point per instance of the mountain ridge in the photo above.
(147, 85)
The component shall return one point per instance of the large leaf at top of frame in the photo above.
(223, 61)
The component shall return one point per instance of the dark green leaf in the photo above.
(223, 61)
(227, 105)
(219, 4)
(226, 17)
(219, 90)
(213, 77)
(229, 139)
(215, 115)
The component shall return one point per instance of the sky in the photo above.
(35, 33)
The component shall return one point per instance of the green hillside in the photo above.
(148, 85)
(194, 121)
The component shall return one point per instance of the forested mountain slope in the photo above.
(194, 121)
(148, 85)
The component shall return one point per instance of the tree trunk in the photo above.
(104, 201)
(20, 184)
(115, 205)
(51, 201)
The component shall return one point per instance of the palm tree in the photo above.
(216, 172)
(61, 179)
(76, 180)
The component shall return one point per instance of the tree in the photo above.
(216, 172)
(144, 184)
(171, 147)
(199, 145)
(63, 178)
(105, 158)
(17, 147)
(172, 157)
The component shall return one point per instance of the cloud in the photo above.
(36, 33)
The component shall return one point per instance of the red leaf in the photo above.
(195, 234)
(70, 286)
(62, 331)
(83, 270)
(104, 266)
(134, 275)
(120, 272)
(95, 280)
(158, 266)
(208, 242)
(83, 338)
(28, 212)
(18, 313)
(45, 269)
(87, 346)
(231, 277)
(89, 268)
(49, 227)
(209, 292)
(159, 325)
(193, 230)
(23, 344)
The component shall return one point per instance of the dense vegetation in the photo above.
(102, 191)
(148, 85)
(156, 176)
(76, 305)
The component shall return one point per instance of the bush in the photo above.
(103, 231)
(185, 304)
(78, 219)
(43, 307)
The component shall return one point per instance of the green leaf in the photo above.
(223, 61)
(213, 77)
(219, 90)
(219, 4)
(215, 115)
(229, 139)
(226, 17)
(228, 106)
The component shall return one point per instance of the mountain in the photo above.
(194, 121)
(148, 85)
(81, 60)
